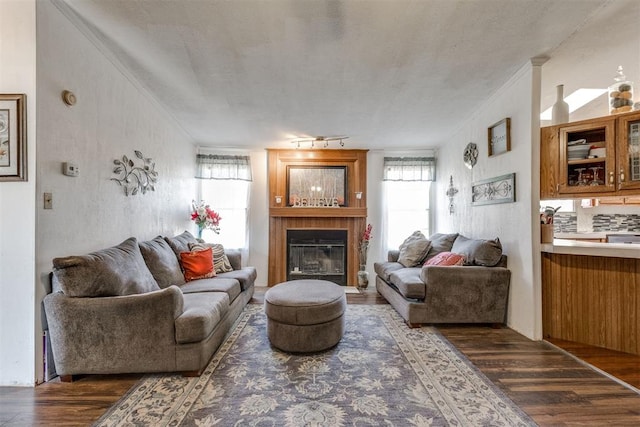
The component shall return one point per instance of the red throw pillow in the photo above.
(446, 259)
(197, 264)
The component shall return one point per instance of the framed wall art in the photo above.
(500, 137)
(13, 138)
(501, 189)
(316, 186)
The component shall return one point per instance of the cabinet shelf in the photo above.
(586, 161)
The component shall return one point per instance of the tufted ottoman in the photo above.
(305, 316)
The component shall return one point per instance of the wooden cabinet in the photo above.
(614, 172)
(592, 299)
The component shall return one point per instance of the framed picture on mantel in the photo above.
(500, 137)
(316, 186)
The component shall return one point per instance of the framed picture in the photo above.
(501, 189)
(500, 137)
(13, 138)
(316, 186)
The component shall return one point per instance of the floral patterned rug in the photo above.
(382, 373)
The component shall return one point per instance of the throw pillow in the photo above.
(197, 264)
(180, 243)
(446, 259)
(221, 262)
(414, 249)
(162, 262)
(116, 271)
(441, 243)
(478, 251)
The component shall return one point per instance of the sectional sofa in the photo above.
(476, 291)
(128, 309)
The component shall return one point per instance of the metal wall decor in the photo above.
(470, 155)
(451, 191)
(135, 179)
(501, 189)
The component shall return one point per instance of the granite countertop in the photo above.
(590, 234)
(576, 247)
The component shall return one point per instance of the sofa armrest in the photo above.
(108, 334)
(235, 258)
(393, 255)
(467, 293)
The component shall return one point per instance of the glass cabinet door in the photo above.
(628, 171)
(587, 158)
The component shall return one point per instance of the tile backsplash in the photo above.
(568, 222)
(565, 223)
(616, 222)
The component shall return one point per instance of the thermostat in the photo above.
(70, 169)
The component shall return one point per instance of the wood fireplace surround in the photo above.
(351, 217)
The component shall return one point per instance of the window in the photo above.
(230, 199)
(225, 182)
(407, 186)
(407, 210)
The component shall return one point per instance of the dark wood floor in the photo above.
(549, 385)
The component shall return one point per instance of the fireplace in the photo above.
(331, 254)
(317, 254)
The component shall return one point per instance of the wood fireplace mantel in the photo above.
(352, 217)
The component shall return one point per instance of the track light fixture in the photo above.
(320, 141)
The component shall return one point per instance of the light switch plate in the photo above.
(48, 200)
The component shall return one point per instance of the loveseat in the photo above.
(128, 308)
(476, 291)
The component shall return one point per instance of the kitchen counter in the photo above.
(575, 247)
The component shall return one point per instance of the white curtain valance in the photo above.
(409, 169)
(215, 166)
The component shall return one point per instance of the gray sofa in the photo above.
(476, 292)
(128, 309)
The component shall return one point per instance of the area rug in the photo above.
(382, 373)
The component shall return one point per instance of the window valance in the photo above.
(409, 169)
(215, 166)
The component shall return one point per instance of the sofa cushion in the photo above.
(446, 259)
(162, 262)
(119, 270)
(414, 249)
(384, 269)
(441, 243)
(408, 282)
(478, 251)
(202, 313)
(218, 284)
(246, 276)
(180, 243)
(220, 261)
(197, 264)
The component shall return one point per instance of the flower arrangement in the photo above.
(364, 246)
(205, 217)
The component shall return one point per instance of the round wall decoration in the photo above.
(470, 155)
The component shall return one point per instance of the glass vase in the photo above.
(363, 278)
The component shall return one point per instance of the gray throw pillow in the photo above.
(478, 251)
(181, 242)
(115, 271)
(414, 249)
(441, 243)
(221, 262)
(162, 262)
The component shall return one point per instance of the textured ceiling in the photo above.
(389, 74)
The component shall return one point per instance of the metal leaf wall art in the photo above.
(135, 179)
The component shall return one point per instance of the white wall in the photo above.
(511, 222)
(112, 117)
(17, 200)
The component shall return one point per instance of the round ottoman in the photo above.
(305, 316)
